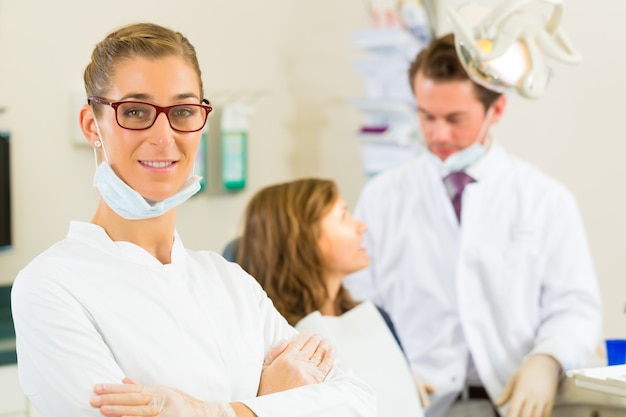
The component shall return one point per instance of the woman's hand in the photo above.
(133, 399)
(307, 359)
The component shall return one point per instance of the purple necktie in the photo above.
(458, 180)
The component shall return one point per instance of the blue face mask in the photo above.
(463, 159)
(127, 202)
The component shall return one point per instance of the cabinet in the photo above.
(583, 410)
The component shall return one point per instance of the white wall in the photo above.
(298, 53)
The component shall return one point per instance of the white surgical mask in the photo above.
(463, 159)
(127, 202)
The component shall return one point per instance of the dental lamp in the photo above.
(505, 48)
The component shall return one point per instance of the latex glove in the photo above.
(307, 359)
(531, 391)
(133, 399)
(423, 389)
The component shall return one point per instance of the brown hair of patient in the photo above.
(279, 246)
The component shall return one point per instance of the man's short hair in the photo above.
(439, 62)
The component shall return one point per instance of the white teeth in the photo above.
(156, 164)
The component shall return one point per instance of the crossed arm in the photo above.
(307, 359)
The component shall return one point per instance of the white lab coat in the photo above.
(516, 279)
(92, 310)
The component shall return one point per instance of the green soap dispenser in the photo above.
(235, 124)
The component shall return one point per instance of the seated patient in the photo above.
(121, 299)
(300, 241)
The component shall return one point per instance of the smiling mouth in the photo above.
(157, 164)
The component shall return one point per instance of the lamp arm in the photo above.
(559, 47)
(534, 83)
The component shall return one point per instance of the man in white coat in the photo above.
(494, 299)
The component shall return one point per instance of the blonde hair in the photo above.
(146, 40)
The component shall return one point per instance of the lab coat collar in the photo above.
(478, 169)
(90, 234)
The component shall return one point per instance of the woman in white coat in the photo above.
(120, 299)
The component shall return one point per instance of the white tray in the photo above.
(608, 379)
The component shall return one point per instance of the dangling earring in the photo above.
(97, 144)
